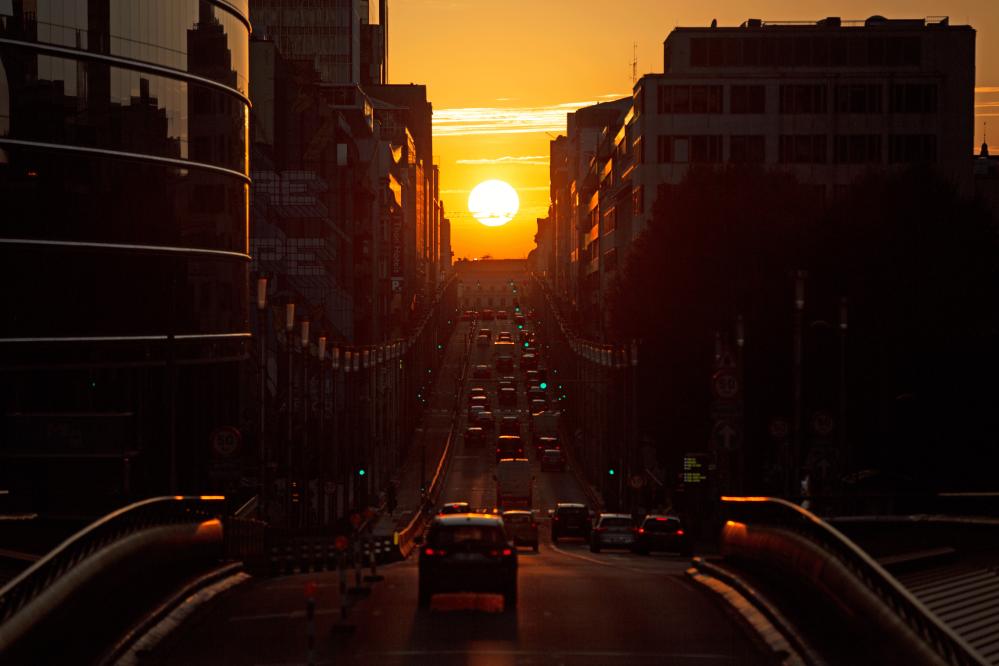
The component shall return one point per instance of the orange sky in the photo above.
(502, 74)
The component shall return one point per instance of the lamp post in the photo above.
(289, 326)
(740, 343)
(320, 457)
(844, 446)
(799, 307)
(336, 439)
(304, 448)
(262, 429)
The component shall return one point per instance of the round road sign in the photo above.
(636, 481)
(724, 384)
(822, 423)
(226, 441)
(779, 428)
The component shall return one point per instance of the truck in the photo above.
(544, 424)
(514, 484)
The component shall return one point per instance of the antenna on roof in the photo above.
(634, 62)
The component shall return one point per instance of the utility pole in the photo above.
(634, 63)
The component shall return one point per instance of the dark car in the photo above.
(664, 533)
(487, 315)
(468, 553)
(509, 425)
(537, 406)
(474, 391)
(521, 528)
(520, 320)
(532, 377)
(528, 362)
(482, 341)
(612, 530)
(553, 460)
(509, 446)
(507, 381)
(485, 420)
(482, 372)
(477, 401)
(454, 507)
(543, 442)
(475, 436)
(507, 396)
(537, 393)
(504, 364)
(570, 520)
(502, 314)
(487, 332)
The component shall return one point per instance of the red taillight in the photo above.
(430, 552)
(507, 552)
(555, 519)
(641, 530)
(679, 532)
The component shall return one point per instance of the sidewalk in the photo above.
(431, 433)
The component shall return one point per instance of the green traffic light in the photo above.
(520, 327)
(611, 471)
(527, 344)
(361, 472)
(544, 385)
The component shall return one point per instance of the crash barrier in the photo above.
(303, 553)
(777, 536)
(104, 571)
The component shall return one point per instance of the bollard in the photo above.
(310, 622)
(341, 626)
(358, 589)
(373, 561)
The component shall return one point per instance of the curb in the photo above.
(763, 618)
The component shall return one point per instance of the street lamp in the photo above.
(262, 343)
(289, 327)
(303, 449)
(799, 306)
(844, 445)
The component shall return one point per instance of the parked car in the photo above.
(475, 436)
(612, 530)
(454, 507)
(570, 519)
(509, 425)
(521, 528)
(482, 372)
(660, 532)
(553, 460)
(507, 396)
(467, 553)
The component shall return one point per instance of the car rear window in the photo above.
(576, 512)
(517, 518)
(448, 536)
(615, 522)
(668, 525)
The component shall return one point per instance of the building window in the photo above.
(639, 148)
(701, 149)
(747, 149)
(747, 99)
(637, 200)
(912, 148)
(802, 99)
(689, 99)
(914, 98)
(803, 149)
(610, 259)
(858, 149)
(861, 98)
(610, 221)
(705, 149)
(806, 51)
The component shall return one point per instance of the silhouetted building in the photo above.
(491, 284)
(335, 37)
(123, 186)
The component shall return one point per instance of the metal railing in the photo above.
(154, 512)
(773, 512)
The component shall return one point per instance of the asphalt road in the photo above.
(575, 607)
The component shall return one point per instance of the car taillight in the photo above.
(641, 530)
(430, 552)
(679, 532)
(555, 519)
(507, 552)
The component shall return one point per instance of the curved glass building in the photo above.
(123, 244)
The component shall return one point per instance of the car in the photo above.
(505, 335)
(477, 401)
(468, 315)
(488, 332)
(502, 314)
(662, 532)
(536, 393)
(482, 341)
(508, 380)
(485, 420)
(532, 378)
(509, 425)
(528, 362)
(454, 507)
(553, 460)
(488, 315)
(475, 436)
(521, 528)
(476, 390)
(520, 320)
(612, 530)
(544, 442)
(570, 519)
(467, 553)
(537, 406)
(504, 363)
(482, 372)
(507, 396)
(509, 446)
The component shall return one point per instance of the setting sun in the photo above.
(493, 203)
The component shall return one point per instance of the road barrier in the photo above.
(782, 539)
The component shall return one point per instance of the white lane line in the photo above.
(617, 564)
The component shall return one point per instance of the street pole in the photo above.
(262, 429)
(337, 440)
(845, 450)
(799, 307)
(289, 326)
(321, 450)
(740, 344)
(304, 449)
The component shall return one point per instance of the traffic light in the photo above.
(544, 385)
(527, 344)
(520, 327)
(611, 471)
(361, 471)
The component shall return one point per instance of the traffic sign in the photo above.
(823, 423)
(226, 441)
(779, 428)
(725, 435)
(724, 384)
(636, 481)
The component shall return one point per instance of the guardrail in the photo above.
(745, 513)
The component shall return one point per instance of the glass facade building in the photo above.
(123, 244)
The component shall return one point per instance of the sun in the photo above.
(493, 203)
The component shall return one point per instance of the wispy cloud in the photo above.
(522, 160)
(614, 95)
(987, 90)
(497, 120)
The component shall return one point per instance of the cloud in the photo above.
(496, 120)
(523, 160)
(614, 95)
(986, 90)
